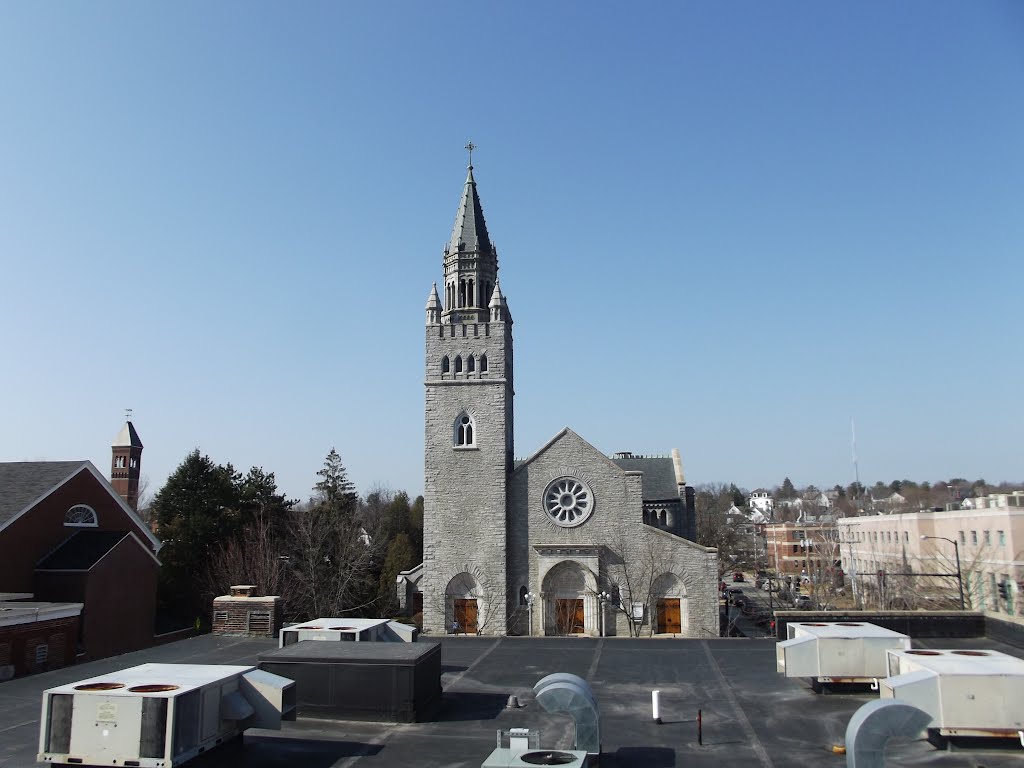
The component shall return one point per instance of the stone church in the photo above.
(567, 541)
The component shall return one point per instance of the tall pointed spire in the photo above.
(470, 230)
(470, 259)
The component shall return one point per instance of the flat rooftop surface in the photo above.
(336, 651)
(752, 715)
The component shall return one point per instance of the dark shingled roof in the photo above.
(81, 551)
(22, 482)
(659, 476)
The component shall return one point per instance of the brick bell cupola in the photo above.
(126, 464)
(468, 449)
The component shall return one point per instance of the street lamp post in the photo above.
(602, 598)
(956, 552)
(530, 597)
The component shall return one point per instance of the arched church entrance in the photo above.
(568, 597)
(463, 605)
(669, 595)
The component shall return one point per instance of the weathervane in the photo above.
(471, 146)
(128, 414)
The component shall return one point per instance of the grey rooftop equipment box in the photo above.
(391, 682)
(837, 651)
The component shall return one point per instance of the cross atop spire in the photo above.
(471, 146)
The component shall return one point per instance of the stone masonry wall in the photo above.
(465, 488)
(616, 524)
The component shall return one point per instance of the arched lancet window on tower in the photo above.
(470, 364)
(470, 293)
(458, 363)
(483, 363)
(465, 435)
(445, 365)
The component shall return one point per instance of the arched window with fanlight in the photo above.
(465, 432)
(81, 516)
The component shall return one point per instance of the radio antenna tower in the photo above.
(853, 448)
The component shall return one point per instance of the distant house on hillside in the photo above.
(762, 501)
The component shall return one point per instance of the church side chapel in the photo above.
(566, 542)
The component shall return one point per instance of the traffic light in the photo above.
(1004, 590)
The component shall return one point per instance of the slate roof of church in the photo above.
(659, 481)
(22, 482)
(470, 228)
(81, 551)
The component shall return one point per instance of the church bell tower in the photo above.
(468, 432)
(126, 463)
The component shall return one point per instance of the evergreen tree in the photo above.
(333, 555)
(334, 489)
(196, 510)
(416, 528)
(400, 557)
(788, 490)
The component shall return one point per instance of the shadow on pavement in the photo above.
(648, 757)
(464, 705)
(264, 752)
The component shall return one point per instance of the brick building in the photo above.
(800, 550)
(67, 536)
(36, 636)
(567, 541)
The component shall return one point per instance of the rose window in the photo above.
(568, 501)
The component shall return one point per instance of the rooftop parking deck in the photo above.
(752, 715)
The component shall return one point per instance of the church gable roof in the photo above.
(659, 482)
(24, 482)
(565, 434)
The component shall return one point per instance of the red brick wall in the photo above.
(119, 595)
(244, 616)
(18, 645)
(37, 533)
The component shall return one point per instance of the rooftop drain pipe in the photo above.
(874, 724)
(564, 692)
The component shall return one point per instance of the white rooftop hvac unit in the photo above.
(837, 652)
(353, 630)
(158, 715)
(966, 692)
(523, 749)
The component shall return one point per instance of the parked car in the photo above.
(802, 602)
(738, 576)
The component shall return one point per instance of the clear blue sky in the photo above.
(722, 227)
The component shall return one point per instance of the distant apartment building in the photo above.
(802, 549)
(989, 536)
